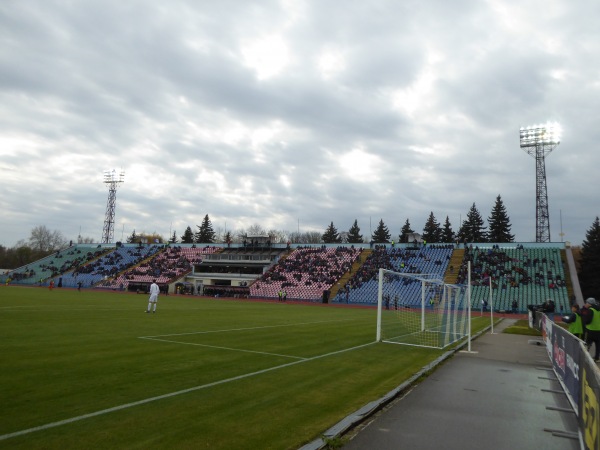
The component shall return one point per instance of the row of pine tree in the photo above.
(472, 229)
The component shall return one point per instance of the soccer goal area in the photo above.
(421, 310)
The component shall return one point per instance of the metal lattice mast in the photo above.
(113, 180)
(538, 141)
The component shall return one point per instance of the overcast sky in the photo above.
(291, 114)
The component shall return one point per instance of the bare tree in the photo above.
(305, 237)
(219, 234)
(21, 243)
(239, 235)
(295, 237)
(313, 237)
(278, 236)
(256, 230)
(44, 240)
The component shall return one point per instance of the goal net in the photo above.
(420, 310)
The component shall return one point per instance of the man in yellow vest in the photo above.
(591, 319)
(574, 321)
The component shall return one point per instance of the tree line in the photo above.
(473, 229)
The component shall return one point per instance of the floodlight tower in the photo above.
(112, 179)
(538, 141)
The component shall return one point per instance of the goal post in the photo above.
(420, 310)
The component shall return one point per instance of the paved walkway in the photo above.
(503, 395)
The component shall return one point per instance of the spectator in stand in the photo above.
(515, 306)
(549, 308)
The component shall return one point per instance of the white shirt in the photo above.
(154, 290)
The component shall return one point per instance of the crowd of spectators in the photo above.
(165, 267)
(320, 264)
(115, 262)
(168, 264)
(395, 259)
(509, 271)
(362, 286)
(58, 263)
(107, 265)
(307, 271)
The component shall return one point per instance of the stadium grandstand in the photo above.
(362, 286)
(166, 266)
(308, 273)
(106, 266)
(52, 266)
(525, 273)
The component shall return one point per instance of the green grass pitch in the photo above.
(91, 370)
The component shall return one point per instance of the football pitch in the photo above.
(92, 370)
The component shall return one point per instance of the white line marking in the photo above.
(172, 394)
(222, 348)
(246, 328)
(19, 306)
(59, 308)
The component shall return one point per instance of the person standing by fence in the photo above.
(591, 319)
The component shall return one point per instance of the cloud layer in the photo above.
(292, 114)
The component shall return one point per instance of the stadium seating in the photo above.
(106, 266)
(165, 267)
(39, 272)
(363, 286)
(527, 275)
(306, 273)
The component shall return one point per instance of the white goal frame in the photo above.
(429, 323)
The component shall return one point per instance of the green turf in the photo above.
(522, 327)
(233, 374)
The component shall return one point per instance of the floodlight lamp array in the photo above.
(111, 176)
(537, 135)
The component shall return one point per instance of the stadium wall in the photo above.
(578, 374)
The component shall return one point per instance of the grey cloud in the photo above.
(152, 89)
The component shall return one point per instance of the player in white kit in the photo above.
(154, 291)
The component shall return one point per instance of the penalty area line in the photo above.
(223, 348)
(264, 327)
(4, 437)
